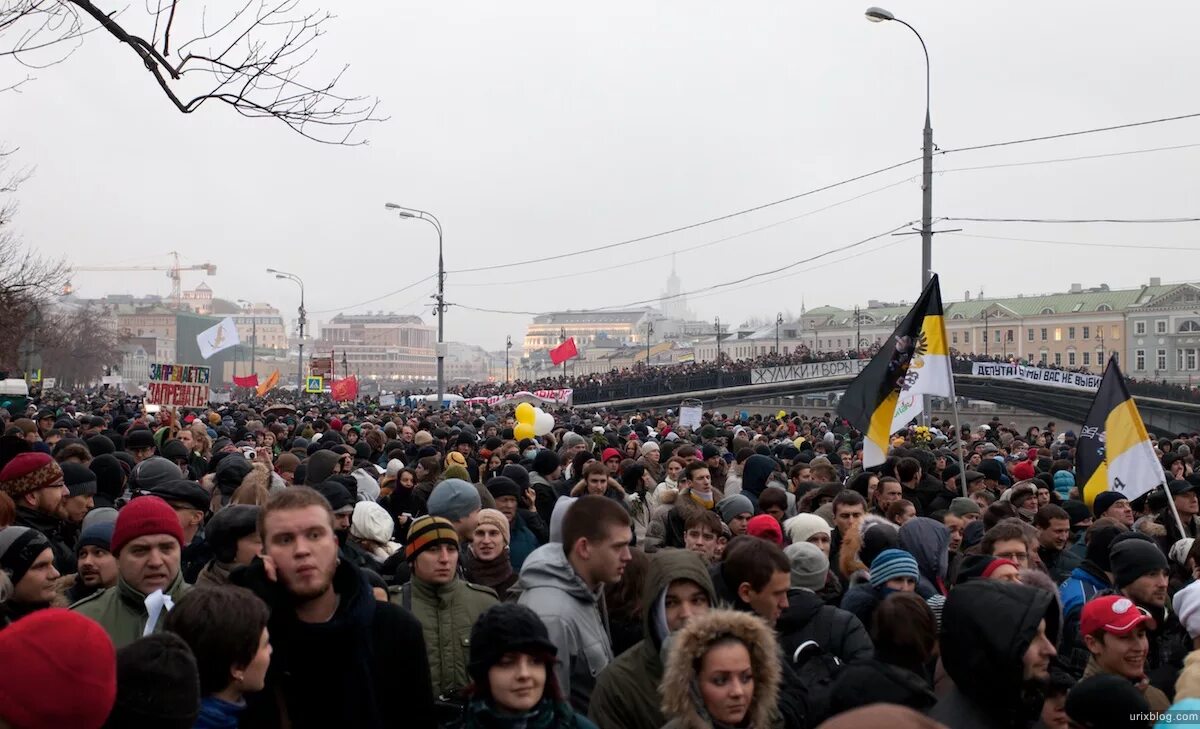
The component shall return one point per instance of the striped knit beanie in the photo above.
(428, 531)
(893, 563)
(29, 472)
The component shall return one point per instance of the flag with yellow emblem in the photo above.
(890, 390)
(1114, 451)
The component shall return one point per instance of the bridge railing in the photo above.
(657, 385)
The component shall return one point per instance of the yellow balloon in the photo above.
(781, 415)
(526, 415)
(523, 431)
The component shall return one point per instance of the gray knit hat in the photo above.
(962, 505)
(730, 506)
(453, 499)
(809, 565)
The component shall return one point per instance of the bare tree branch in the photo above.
(256, 58)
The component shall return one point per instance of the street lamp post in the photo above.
(879, 15)
(562, 337)
(253, 334)
(441, 291)
(857, 332)
(778, 323)
(649, 333)
(507, 347)
(985, 333)
(300, 359)
(718, 351)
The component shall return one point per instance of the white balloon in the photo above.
(543, 422)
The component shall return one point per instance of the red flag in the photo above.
(564, 352)
(344, 389)
(249, 381)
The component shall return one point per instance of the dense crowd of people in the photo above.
(249, 565)
(641, 380)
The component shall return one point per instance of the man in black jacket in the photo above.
(341, 658)
(997, 642)
(808, 618)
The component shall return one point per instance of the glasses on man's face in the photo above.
(1020, 557)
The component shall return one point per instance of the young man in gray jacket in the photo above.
(564, 584)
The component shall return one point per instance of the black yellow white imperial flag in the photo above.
(913, 362)
(1114, 452)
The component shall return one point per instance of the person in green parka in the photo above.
(445, 605)
(678, 588)
(147, 541)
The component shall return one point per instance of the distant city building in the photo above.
(587, 327)
(379, 346)
(1154, 329)
(261, 326)
(1164, 333)
(673, 303)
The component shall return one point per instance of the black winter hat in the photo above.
(99, 445)
(518, 474)
(1099, 545)
(502, 629)
(139, 438)
(158, 685)
(337, 495)
(1077, 511)
(545, 462)
(230, 472)
(228, 526)
(79, 479)
(1104, 501)
(1132, 558)
(503, 486)
(174, 450)
(1106, 700)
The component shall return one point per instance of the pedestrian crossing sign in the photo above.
(314, 384)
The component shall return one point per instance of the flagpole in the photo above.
(962, 463)
(1174, 511)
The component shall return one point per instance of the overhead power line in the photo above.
(690, 248)
(1056, 160)
(1064, 135)
(1043, 241)
(680, 229)
(712, 287)
(400, 290)
(1072, 220)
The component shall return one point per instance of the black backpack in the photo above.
(817, 669)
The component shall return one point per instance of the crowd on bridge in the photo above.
(643, 381)
(256, 565)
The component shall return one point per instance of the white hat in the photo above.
(1187, 607)
(394, 467)
(372, 522)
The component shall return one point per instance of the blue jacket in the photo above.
(521, 543)
(1081, 586)
(218, 714)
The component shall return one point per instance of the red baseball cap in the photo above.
(1112, 614)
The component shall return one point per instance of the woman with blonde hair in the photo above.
(723, 671)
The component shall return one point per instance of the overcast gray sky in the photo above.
(540, 128)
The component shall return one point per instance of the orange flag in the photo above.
(268, 384)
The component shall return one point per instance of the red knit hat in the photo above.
(29, 472)
(765, 527)
(143, 516)
(59, 670)
(996, 564)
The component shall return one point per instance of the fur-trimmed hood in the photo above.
(681, 700)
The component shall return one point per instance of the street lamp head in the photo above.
(879, 15)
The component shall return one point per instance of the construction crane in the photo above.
(173, 273)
